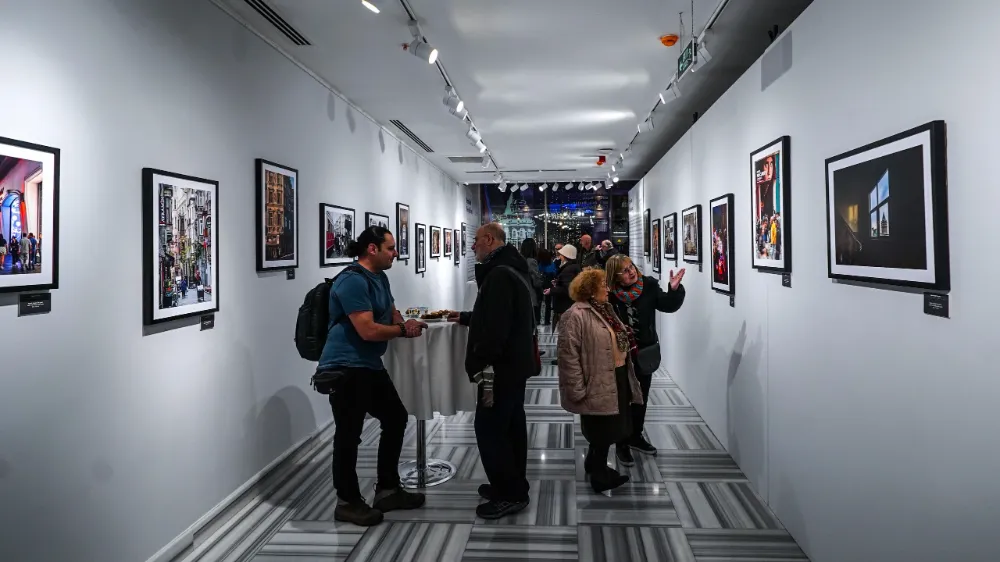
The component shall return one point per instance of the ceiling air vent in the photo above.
(466, 159)
(278, 22)
(535, 171)
(406, 131)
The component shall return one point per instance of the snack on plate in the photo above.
(412, 312)
(435, 315)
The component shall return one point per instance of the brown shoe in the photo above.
(358, 513)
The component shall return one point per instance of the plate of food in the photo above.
(435, 316)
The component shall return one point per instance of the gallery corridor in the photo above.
(689, 503)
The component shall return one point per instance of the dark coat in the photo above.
(560, 291)
(640, 314)
(502, 322)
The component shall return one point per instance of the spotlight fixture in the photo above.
(701, 58)
(452, 101)
(486, 161)
(569, 186)
(555, 186)
(671, 93)
(646, 126)
(473, 135)
(502, 186)
(613, 168)
(461, 113)
(580, 186)
(615, 179)
(370, 6)
(481, 147)
(524, 187)
(420, 48)
(543, 187)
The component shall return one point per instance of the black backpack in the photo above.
(313, 322)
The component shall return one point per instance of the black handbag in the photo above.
(328, 381)
(648, 359)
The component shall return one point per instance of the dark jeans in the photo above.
(639, 411)
(366, 391)
(548, 309)
(502, 436)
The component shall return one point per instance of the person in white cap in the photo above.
(569, 268)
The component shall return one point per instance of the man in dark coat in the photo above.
(500, 356)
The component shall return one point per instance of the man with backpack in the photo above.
(362, 319)
(501, 354)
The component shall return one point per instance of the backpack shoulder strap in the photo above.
(355, 268)
(531, 313)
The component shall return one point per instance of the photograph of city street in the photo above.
(435, 241)
(458, 244)
(670, 237)
(421, 249)
(337, 225)
(447, 242)
(691, 223)
(769, 221)
(277, 216)
(28, 186)
(722, 243)
(883, 216)
(182, 216)
(403, 231)
(655, 249)
(375, 219)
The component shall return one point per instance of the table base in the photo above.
(435, 472)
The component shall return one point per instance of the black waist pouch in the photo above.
(329, 380)
(648, 359)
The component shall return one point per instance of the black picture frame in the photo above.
(376, 219)
(767, 256)
(671, 220)
(160, 237)
(695, 233)
(333, 246)
(448, 242)
(274, 204)
(465, 237)
(458, 244)
(435, 230)
(39, 166)
(403, 230)
(646, 232)
(654, 249)
(722, 264)
(420, 246)
(900, 248)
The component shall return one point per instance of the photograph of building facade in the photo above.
(280, 211)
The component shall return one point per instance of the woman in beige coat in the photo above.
(596, 378)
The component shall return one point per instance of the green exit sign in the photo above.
(687, 57)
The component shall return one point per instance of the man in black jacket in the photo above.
(500, 356)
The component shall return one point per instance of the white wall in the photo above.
(111, 441)
(869, 427)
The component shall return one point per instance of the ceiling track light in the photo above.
(670, 94)
(486, 161)
(555, 186)
(646, 126)
(420, 48)
(370, 6)
(615, 179)
(543, 187)
(460, 113)
(481, 147)
(569, 186)
(473, 135)
(701, 57)
(452, 101)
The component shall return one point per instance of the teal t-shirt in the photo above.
(356, 292)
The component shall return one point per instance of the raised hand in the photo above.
(675, 280)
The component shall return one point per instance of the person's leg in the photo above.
(548, 309)
(518, 433)
(495, 448)
(639, 411)
(349, 403)
(388, 409)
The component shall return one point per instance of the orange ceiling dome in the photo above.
(601, 160)
(669, 40)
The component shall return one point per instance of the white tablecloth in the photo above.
(429, 371)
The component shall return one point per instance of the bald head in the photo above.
(489, 237)
(586, 242)
(606, 245)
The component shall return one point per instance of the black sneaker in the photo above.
(495, 509)
(398, 498)
(624, 455)
(357, 512)
(486, 491)
(643, 446)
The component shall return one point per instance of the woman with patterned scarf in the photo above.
(596, 378)
(636, 299)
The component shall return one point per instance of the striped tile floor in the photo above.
(689, 503)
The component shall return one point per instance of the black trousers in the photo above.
(366, 391)
(639, 410)
(548, 309)
(502, 436)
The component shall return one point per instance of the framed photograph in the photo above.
(465, 238)
(181, 246)
(655, 248)
(691, 233)
(336, 232)
(771, 207)
(403, 231)
(29, 216)
(375, 219)
(277, 216)
(435, 241)
(448, 240)
(645, 233)
(887, 211)
(420, 231)
(670, 237)
(458, 244)
(723, 229)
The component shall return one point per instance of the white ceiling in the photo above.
(547, 83)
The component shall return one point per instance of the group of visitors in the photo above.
(608, 350)
(23, 252)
